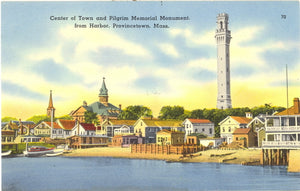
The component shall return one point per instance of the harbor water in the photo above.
(99, 173)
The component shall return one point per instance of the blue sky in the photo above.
(151, 67)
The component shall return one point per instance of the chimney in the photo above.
(249, 115)
(296, 105)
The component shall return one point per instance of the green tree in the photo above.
(91, 117)
(38, 118)
(217, 131)
(196, 114)
(65, 117)
(8, 119)
(134, 112)
(169, 112)
(266, 109)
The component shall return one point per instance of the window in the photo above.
(203, 129)
(210, 131)
(223, 129)
(229, 129)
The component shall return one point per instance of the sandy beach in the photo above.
(214, 156)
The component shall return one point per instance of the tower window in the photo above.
(221, 24)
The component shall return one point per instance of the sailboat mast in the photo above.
(287, 90)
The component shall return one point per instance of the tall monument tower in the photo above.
(223, 37)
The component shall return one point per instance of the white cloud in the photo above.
(204, 63)
(91, 40)
(169, 49)
(196, 38)
(246, 34)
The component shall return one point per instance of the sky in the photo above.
(153, 67)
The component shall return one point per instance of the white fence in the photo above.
(281, 144)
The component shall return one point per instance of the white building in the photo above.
(223, 36)
(124, 130)
(84, 129)
(203, 126)
(282, 132)
(230, 124)
(211, 142)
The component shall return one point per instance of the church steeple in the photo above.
(50, 108)
(103, 95)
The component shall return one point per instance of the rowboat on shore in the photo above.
(54, 154)
(37, 151)
(7, 153)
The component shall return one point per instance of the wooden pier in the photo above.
(165, 149)
(275, 157)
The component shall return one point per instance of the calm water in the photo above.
(96, 173)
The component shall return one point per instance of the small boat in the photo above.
(54, 154)
(37, 151)
(7, 153)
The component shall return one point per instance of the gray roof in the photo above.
(101, 109)
(3, 124)
(103, 90)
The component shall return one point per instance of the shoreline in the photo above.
(242, 157)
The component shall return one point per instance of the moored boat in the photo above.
(37, 151)
(55, 154)
(7, 153)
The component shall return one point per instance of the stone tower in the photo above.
(223, 37)
(50, 108)
(103, 95)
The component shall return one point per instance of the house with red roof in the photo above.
(245, 136)
(63, 129)
(88, 129)
(230, 124)
(203, 126)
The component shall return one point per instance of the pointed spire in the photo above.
(50, 100)
(50, 109)
(103, 90)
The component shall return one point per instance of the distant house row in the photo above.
(280, 129)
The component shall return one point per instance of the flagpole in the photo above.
(287, 90)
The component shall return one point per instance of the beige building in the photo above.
(166, 137)
(230, 124)
(121, 127)
(148, 127)
(43, 129)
